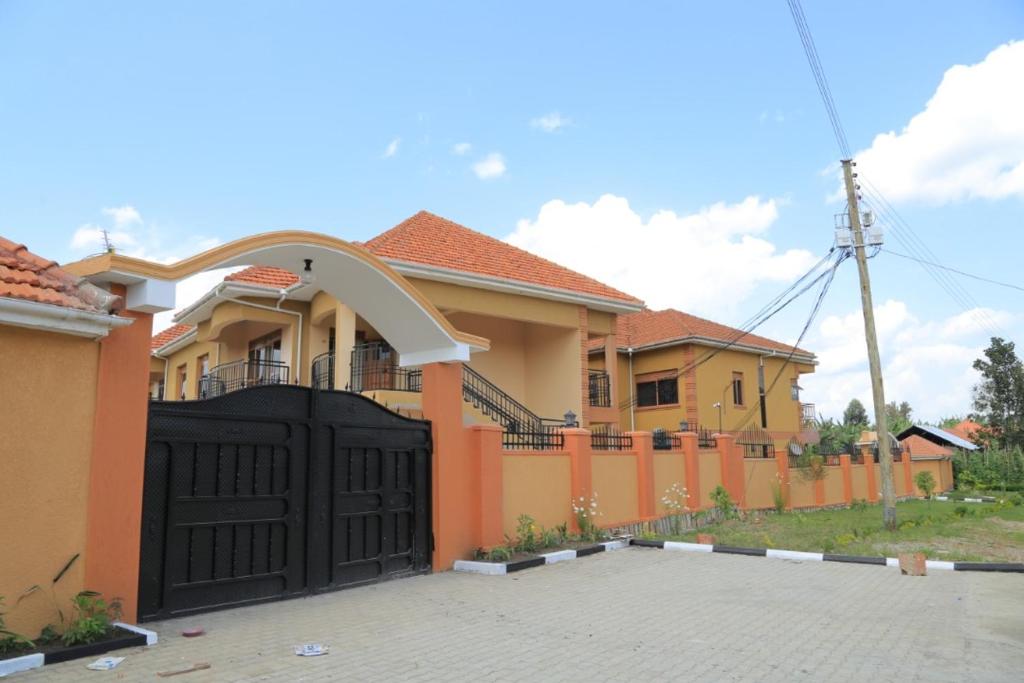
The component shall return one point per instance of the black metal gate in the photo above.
(279, 491)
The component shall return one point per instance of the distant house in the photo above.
(967, 430)
(925, 441)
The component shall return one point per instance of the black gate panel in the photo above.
(277, 491)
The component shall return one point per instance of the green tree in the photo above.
(999, 397)
(926, 482)
(855, 415)
(835, 437)
(899, 416)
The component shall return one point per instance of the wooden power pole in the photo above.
(874, 362)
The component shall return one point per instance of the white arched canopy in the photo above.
(371, 288)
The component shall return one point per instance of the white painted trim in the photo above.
(558, 556)
(692, 547)
(196, 312)
(939, 564)
(175, 345)
(892, 562)
(487, 568)
(459, 277)
(151, 636)
(18, 664)
(52, 318)
(718, 344)
(462, 352)
(794, 555)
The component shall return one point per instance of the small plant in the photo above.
(586, 513)
(723, 502)
(11, 642)
(501, 553)
(859, 505)
(676, 502)
(1014, 499)
(778, 494)
(549, 538)
(961, 511)
(526, 534)
(91, 618)
(926, 482)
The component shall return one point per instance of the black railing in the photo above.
(830, 459)
(600, 389)
(756, 443)
(375, 366)
(497, 405)
(706, 438)
(240, 374)
(610, 440)
(663, 441)
(323, 371)
(548, 437)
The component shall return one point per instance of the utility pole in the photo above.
(874, 362)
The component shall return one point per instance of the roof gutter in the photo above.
(719, 344)
(60, 319)
(227, 289)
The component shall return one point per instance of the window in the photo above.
(658, 389)
(737, 388)
(794, 391)
(182, 381)
(265, 365)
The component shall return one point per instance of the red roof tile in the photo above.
(965, 429)
(434, 241)
(26, 276)
(648, 328)
(266, 276)
(168, 335)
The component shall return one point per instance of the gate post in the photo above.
(577, 444)
(114, 518)
(691, 464)
(844, 465)
(732, 468)
(490, 492)
(868, 459)
(455, 485)
(643, 445)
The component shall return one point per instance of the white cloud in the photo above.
(704, 263)
(392, 148)
(550, 123)
(491, 166)
(188, 291)
(91, 237)
(967, 143)
(461, 148)
(926, 363)
(123, 215)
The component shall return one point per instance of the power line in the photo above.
(954, 270)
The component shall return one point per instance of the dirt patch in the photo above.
(1008, 524)
(979, 549)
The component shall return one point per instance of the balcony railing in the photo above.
(240, 374)
(323, 371)
(808, 415)
(375, 366)
(600, 389)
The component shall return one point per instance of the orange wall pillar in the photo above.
(691, 467)
(733, 478)
(490, 493)
(869, 471)
(577, 443)
(114, 518)
(455, 477)
(782, 462)
(844, 466)
(643, 445)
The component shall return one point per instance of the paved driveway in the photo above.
(634, 614)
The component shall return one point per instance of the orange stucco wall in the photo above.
(801, 492)
(710, 474)
(614, 482)
(669, 469)
(833, 486)
(48, 394)
(942, 472)
(760, 476)
(860, 482)
(536, 484)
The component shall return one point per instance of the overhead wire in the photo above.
(954, 270)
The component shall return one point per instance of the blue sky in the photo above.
(217, 120)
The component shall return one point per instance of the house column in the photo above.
(344, 340)
(584, 368)
(114, 517)
(611, 366)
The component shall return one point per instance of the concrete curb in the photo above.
(503, 568)
(943, 565)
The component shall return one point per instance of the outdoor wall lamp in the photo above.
(307, 273)
(570, 419)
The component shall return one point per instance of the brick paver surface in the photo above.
(635, 614)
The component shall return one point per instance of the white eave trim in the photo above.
(598, 303)
(175, 344)
(718, 344)
(227, 289)
(52, 318)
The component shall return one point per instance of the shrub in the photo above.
(961, 511)
(723, 502)
(91, 618)
(1014, 499)
(926, 482)
(526, 534)
(676, 502)
(501, 553)
(778, 494)
(860, 504)
(586, 513)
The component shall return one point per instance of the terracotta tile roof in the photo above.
(267, 276)
(26, 276)
(434, 241)
(168, 335)
(918, 445)
(648, 328)
(965, 429)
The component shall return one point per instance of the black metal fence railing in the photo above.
(600, 389)
(610, 440)
(548, 437)
(706, 438)
(240, 374)
(375, 366)
(830, 459)
(756, 443)
(497, 405)
(663, 441)
(323, 371)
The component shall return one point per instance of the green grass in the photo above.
(946, 530)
